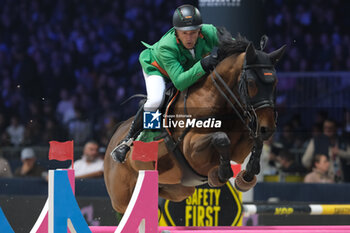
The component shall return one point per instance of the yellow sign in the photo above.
(202, 208)
(206, 207)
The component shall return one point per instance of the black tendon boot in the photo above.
(119, 153)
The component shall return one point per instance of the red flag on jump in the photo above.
(61, 150)
(145, 151)
(236, 168)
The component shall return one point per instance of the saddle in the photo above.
(168, 97)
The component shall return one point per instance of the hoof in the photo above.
(225, 173)
(213, 178)
(243, 185)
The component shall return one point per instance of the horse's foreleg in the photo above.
(253, 166)
(246, 179)
(221, 143)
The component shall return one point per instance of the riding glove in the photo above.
(210, 61)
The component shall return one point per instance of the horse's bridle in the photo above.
(247, 110)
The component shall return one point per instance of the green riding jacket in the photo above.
(170, 59)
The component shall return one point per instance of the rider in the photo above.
(180, 56)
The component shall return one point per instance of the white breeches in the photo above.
(155, 87)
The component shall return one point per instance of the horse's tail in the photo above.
(134, 96)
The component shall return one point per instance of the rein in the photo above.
(241, 112)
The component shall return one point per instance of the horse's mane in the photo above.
(228, 46)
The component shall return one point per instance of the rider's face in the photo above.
(188, 38)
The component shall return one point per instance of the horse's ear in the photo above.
(250, 54)
(263, 42)
(275, 56)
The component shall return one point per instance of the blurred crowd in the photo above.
(67, 65)
(295, 151)
(316, 33)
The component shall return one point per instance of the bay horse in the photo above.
(241, 90)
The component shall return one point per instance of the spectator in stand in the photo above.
(107, 127)
(48, 110)
(5, 169)
(268, 157)
(15, 131)
(65, 107)
(5, 139)
(29, 166)
(91, 164)
(329, 144)
(298, 131)
(316, 130)
(320, 170)
(288, 163)
(52, 132)
(25, 72)
(32, 133)
(79, 128)
(287, 138)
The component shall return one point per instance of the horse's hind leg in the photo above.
(220, 175)
(175, 192)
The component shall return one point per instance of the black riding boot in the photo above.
(119, 153)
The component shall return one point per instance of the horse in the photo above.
(240, 91)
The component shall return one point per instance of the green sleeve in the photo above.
(180, 78)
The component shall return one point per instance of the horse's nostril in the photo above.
(266, 132)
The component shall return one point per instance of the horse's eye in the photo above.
(251, 83)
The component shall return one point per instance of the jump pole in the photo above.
(297, 209)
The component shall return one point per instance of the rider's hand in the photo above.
(210, 61)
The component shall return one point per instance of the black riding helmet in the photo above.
(187, 18)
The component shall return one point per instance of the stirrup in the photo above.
(127, 143)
